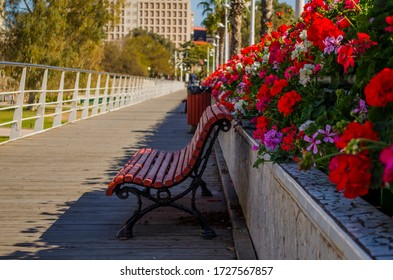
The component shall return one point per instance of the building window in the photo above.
(168, 30)
(157, 5)
(162, 21)
(179, 30)
(180, 6)
(168, 22)
(151, 21)
(174, 14)
(157, 21)
(173, 37)
(162, 29)
(152, 13)
(180, 21)
(163, 5)
(157, 13)
(174, 6)
(180, 14)
(174, 29)
(169, 5)
(146, 13)
(168, 14)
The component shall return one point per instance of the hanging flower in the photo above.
(346, 57)
(328, 136)
(287, 101)
(314, 142)
(386, 158)
(389, 20)
(379, 91)
(351, 174)
(356, 130)
(272, 139)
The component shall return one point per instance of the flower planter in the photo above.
(294, 214)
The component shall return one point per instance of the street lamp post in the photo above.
(217, 37)
(208, 61)
(252, 23)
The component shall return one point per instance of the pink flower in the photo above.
(386, 158)
(314, 142)
(389, 20)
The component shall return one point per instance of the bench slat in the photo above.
(146, 167)
(218, 113)
(129, 177)
(120, 177)
(211, 117)
(149, 178)
(228, 114)
(159, 180)
(178, 175)
(170, 177)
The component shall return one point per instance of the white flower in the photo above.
(305, 125)
(239, 66)
(239, 107)
(303, 35)
(305, 74)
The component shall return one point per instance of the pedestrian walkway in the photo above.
(52, 191)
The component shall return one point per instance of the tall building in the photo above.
(170, 18)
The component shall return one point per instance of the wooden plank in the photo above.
(178, 174)
(170, 176)
(145, 167)
(129, 177)
(150, 177)
(159, 180)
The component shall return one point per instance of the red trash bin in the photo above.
(198, 99)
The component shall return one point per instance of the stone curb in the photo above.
(243, 243)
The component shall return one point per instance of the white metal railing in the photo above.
(34, 98)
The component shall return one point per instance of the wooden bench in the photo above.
(158, 171)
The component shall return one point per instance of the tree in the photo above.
(57, 32)
(215, 14)
(140, 54)
(266, 18)
(236, 13)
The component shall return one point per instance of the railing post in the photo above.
(105, 97)
(123, 93)
(16, 129)
(74, 102)
(39, 123)
(97, 96)
(85, 112)
(118, 93)
(112, 96)
(59, 105)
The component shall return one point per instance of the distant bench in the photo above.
(160, 171)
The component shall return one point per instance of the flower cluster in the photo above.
(321, 90)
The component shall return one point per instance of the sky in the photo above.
(198, 11)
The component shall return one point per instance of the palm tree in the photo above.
(236, 16)
(215, 14)
(267, 16)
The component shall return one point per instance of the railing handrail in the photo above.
(58, 68)
(71, 98)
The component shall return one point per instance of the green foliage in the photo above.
(141, 54)
(59, 33)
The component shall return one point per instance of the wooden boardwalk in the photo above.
(52, 191)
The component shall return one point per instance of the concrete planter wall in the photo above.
(294, 214)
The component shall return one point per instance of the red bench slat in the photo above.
(170, 177)
(129, 177)
(148, 180)
(159, 182)
(178, 175)
(146, 167)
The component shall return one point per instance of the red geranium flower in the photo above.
(389, 20)
(287, 101)
(346, 56)
(278, 86)
(386, 158)
(356, 130)
(320, 29)
(351, 174)
(379, 91)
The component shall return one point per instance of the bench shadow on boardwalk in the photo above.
(86, 228)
